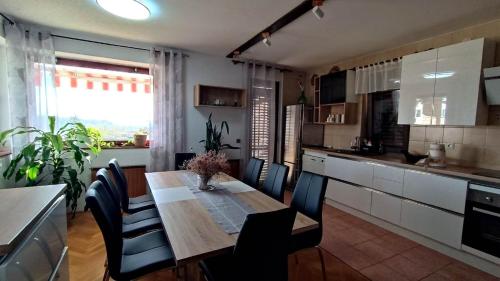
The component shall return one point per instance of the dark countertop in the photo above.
(399, 160)
(20, 209)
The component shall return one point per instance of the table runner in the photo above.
(225, 208)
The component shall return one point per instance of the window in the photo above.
(117, 100)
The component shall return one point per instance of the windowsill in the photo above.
(125, 147)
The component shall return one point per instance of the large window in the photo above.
(118, 103)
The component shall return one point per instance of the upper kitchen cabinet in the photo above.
(443, 86)
(417, 89)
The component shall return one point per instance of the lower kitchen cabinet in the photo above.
(439, 225)
(313, 164)
(356, 197)
(386, 207)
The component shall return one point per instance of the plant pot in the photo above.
(140, 140)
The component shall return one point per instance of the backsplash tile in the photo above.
(475, 136)
(434, 134)
(453, 135)
(466, 146)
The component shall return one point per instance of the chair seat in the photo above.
(140, 216)
(140, 199)
(219, 268)
(137, 207)
(144, 254)
(133, 229)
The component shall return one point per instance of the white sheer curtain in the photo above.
(378, 78)
(261, 112)
(30, 79)
(167, 134)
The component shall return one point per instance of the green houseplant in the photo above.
(54, 157)
(213, 138)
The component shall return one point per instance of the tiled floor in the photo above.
(381, 255)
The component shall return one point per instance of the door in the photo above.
(417, 88)
(292, 140)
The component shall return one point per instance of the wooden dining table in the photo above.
(190, 228)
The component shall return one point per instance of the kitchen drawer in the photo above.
(356, 197)
(38, 255)
(439, 225)
(388, 173)
(386, 207)
(313, 164)
(360, 173)
(388, 186)
(444, 192)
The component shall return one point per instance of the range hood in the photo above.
(492, 85)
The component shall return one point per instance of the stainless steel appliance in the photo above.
(481, 234)
(299, 130)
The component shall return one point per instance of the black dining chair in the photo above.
(261, 251)
(275, 181)
(307, 198)
(135, 223)
(133, 204)
(253, 171)
(181, 157)
(127, 258)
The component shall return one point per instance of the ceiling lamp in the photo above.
(317, 10)
(129, 9)
(266, 39)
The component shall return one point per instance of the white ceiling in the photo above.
(349, 28)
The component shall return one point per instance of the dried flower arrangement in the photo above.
(207, 165)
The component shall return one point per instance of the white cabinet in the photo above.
(353, 196)
(431, 222)
(417, 88)
(349, 170)
(313, 164)
(386, 207)
(388, 179)
(444, 192)
(442, 86)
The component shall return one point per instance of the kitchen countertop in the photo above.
(399, 160)
(20, 209)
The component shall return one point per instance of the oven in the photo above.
(481, 234)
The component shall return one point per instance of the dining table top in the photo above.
(190, 228)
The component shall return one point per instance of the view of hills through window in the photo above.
(119, 104)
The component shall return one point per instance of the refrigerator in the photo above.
(299, 131)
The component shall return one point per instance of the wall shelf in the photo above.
(321, 110)
(221, 97)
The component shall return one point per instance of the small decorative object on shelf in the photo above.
(302, 99)
(206, 165)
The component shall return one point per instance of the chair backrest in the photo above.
(274, 184)
(109, 219)
(308, 197)
(180, 158)
(252, 172)
(121, 182)
(261, 251)
(104, 177)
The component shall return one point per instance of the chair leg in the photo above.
(106, 274)
(322, 262)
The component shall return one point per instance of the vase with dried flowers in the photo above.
(206, 165)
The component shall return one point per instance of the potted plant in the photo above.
(54, 157)
(140, 138)
(206, 165)
(213, 139)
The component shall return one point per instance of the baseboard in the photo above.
(462, 256)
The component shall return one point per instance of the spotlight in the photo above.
(266, 39)
(317, 10)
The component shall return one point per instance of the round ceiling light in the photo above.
(130, 9)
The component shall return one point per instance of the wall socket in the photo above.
(450, 146)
